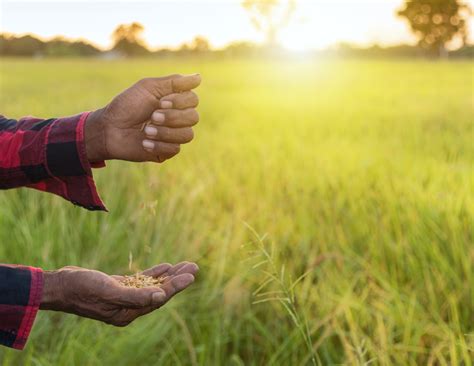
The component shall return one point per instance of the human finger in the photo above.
(133, 297)
(183, 267)
(127, 315)
(175, 117)
(162, 86)
(157, 270)
(176, 284)
(166, 134)
(187, 99)
(160, 151)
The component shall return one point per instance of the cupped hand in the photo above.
(147, 122)
(96, 295)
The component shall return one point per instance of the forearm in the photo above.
(49, 155)
(22, 161)
(96, 148)
(51, 298)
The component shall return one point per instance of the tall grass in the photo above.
(360, 173)
(284, 293)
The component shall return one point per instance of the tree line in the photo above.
(435, 23)
(29, 46)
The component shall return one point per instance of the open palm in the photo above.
(96, 295)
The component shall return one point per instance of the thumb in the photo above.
(161, 87)
(138, 297)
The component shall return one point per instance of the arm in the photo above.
(83, 292)
(48, 155)
(147, 122)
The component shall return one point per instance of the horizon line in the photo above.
(211, 47)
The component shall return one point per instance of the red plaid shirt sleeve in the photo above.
(20, 298)
(48, 155)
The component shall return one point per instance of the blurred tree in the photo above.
(200, 44)
(241, 48)
(436, 22)
(31, 46)
(59, 47)
(21, 46)
(128, 39)
(269, 16)
(185, 48)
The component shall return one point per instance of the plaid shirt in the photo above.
(48, 155)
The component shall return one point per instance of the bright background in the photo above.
(354, 176)
(316, 24)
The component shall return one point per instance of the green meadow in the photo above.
(328, 203)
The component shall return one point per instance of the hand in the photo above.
(167, 105)
(96, 295)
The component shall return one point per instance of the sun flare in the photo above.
(294, 40)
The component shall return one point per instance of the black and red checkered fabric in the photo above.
(20, 297)
(48, 155)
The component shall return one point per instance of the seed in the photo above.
(139, 281)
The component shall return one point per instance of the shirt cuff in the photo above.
(66, 161)
(36, 291)
(20, 299)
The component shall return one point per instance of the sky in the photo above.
(316, 24)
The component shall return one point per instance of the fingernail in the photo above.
(151, 131)
(148, 145)
(158, 117)
(158, 298)
(166, 104)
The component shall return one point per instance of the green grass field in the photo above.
(358, 174)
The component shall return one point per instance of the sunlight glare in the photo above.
(293, 39)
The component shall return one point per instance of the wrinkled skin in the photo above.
(146, 122)
(166, 104)
(96, 295)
